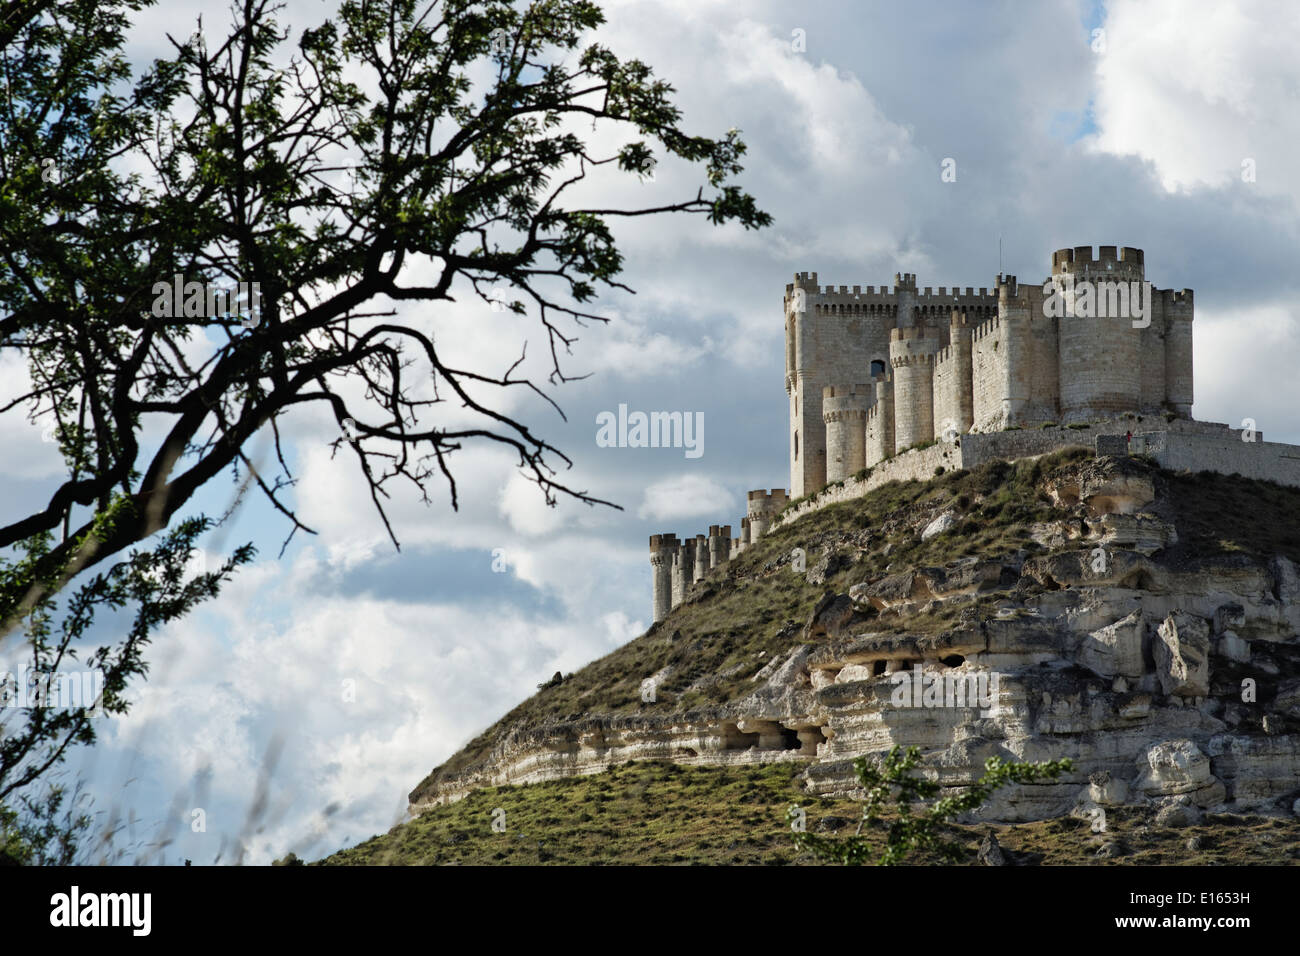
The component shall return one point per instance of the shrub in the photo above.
(907, 831)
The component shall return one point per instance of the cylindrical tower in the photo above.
(911, 354)
(683, 571)
(700, 563)
(880, 421)
(844, 410)
(803, 384)
(662, 549)
(1100, 363)
(762, 510)
(719, 545)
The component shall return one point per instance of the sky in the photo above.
(323, 685)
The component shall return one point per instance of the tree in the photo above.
(321, 170)
(441, 138)
(907, 831)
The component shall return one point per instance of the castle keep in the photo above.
(872, 373)
(901, 384)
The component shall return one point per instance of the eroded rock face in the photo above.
(1171, 684)
(1183, 655)
(1175, 768)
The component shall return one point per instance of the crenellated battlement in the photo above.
(1108, 260)
(663, 542)
(910, 359)
(846, 402)
(984, 329)
(761, 502)
(912, 346)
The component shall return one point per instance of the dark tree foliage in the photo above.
(398, 152)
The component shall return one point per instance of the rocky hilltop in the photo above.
(1139, 621)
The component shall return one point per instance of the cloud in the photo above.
(1196, 88)
(685, 496)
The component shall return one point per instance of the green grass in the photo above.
(661, 813)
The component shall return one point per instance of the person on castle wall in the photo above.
(1128, 440)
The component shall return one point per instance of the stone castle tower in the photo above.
(872, 373)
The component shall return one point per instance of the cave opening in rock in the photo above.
(1138, 580)
(878, 668)
(810, 738)
(768, 735)
(733, 738)
(952, 660)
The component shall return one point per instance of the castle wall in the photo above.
(1179, 444)
(1020, 443)
(919, 464)
(1224, 453)
(719, 545)
(989, 374)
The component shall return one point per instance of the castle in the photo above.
(872, 373)
(896, 384)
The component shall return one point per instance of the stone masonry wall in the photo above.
(989, 373)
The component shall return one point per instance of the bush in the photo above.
(907, 831)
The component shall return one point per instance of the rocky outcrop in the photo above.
(1171, 683)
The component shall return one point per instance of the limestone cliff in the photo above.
(1140, 622)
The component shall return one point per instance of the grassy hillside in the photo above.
(661, 814)
(755, 606)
